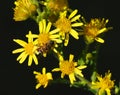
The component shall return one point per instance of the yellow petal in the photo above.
(57, 40)
(77, 71)
(73, 14)
(108, 91)
(81, 67)
(44, 70)
(23, 58)
(63, 14)
(99, 77)
(74, 33)
(20, 42)
(54, 36)
(44, 54)
(18, 50)
(48, 27)
(44, 25)
(20, 56)
(54, 31)
(56, 69)
(34, 72)
(35, 59)
(38, 85)
(62, 75)
(40, 27)
(66, 40)
(60, 58)
(45, 84)
(72, 78)
(30, 60)
(71, 58)
(76, 24)
(102, 30)
(101, 91)
(100, 40)
(30, 36)
(49, 76)
(75, 18)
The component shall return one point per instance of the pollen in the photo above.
(67, 67)
(43, 38)
(106, 83)
(91, 31)
(42, 79)
(29, 48)
(92, 28)
(58, 5)
(63, 24)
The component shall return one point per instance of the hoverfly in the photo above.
(46, 47)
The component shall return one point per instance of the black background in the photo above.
(16, 79)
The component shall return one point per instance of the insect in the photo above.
(46, 47)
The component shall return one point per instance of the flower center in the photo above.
(43, 39)
(42, 79)
(91, 31)
(106, 83)
(29, 48)
(63, 24)
(67, 67)
(94, 26)
(32, 9)
(57, 5)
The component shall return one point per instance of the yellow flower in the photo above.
(57, 5)
(42, 79)
(68, 67)
(28, 49)
(103, 84)
(47, 40)
(65, 25)
(23, 10)
(94, 28)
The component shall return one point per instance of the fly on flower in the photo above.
(45, 48)
(47, 40)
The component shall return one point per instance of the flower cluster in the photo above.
(56, 24)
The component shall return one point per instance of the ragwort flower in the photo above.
(24, 9)
(104, 84)
(47, 40)
(66, 25)
(57, 5)
(68, 67)
(54, 7)
(93, 29)
(42, 79)
(28, 49)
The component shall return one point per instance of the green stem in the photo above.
(84, 83)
